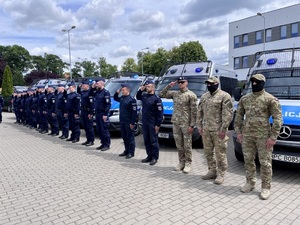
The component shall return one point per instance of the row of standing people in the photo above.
(213, 117)
(65, 109)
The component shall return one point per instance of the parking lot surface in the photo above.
(45, 180)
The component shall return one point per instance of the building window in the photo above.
(258, 37)
(268, 35)
(245, 61)
(294, 29)
(236, 41)
(245, 39)
(283, 32)
(236, 63)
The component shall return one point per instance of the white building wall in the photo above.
(255, 23)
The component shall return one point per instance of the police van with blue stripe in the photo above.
(196, 74)
(281, 69)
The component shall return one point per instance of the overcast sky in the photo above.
(118, 29)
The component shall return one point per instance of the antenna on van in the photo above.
(183, 69)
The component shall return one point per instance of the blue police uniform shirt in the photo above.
(51, 103)
(42, 102)
(73, 103)
(34, 102)
(128, 108)
(87, 101)
(102, 101)
(28, 102)
(152, 109)
(60, 103)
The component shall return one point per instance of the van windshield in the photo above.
(283, 84)
(114, 85)
(196, 84)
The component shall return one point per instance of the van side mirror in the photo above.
(237, 94)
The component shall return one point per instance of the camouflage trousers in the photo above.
(183, 142)
(251, 146)
(215, 151)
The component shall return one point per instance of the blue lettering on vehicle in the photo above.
(168, 107)
(290, 114)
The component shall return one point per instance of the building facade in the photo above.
(265, 31)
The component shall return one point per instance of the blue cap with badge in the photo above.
(71, 84)
(85, 82)
(181, 78)
(40, 86)
(149, 82)
(100, 79)
(125, 85)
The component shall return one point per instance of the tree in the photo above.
(188, 52)
(39, 75)
(105, 68)
(2, 68)
(7, 84)
(129, 65)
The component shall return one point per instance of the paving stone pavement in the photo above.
(45, 180)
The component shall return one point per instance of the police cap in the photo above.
(212, 80)
(85, 82)
(149, 82)
(125, 85)
(61, 85)
(41, 86)
(100, 79)
(259, 77)
(71, 84)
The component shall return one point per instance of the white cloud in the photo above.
(122, 51)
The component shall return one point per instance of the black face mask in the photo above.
(212, 88)
(258, 87)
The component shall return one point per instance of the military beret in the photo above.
(71, 84)
(40, 86)
(100, 79)
(125, 85)
(149, 82)
(181, 78)
(85, 82)
(258, 77)
(212, 79)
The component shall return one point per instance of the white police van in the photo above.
(196, 73)
(282, 71)
(135, 80)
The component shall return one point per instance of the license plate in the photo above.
(163, 135)
(286, 158)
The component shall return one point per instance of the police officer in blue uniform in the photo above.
(23, 107)
(60, 110)
(51, 115)
(152, 116)
(34, 110)
(87, 112)
(28, 103)
(17, 105)
(128, 116)
(73, 113)
(102, 107)
(1, 106)
(42, 109)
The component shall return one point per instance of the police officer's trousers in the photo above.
(251, 146)
(151, 141)
(74, 126)
(43, 121)
(63, 123)
(128, 138)
(102, 129)
(52, 120)
(88, 126)
(183, 142)
(215, 151)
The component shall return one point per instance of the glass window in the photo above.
(245, 39)
(283, 32)
(295, 30)
(236, 41)
(245, 61)
(236, 63)
(268, 35)
(258, 37)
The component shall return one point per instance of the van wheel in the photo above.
(136, 130)
(238, 156)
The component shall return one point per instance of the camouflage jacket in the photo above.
(185, 106)
(253, 115)
(215, 111)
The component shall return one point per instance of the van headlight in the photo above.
(114, 112)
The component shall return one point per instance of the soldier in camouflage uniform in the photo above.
(183, 119)
(252, 125)
(214, 116)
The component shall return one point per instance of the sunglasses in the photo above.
(181, 82)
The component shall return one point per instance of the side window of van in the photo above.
(228, 84)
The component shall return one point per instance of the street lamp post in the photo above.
(264, 35)
(64, 30)
(143, 59)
